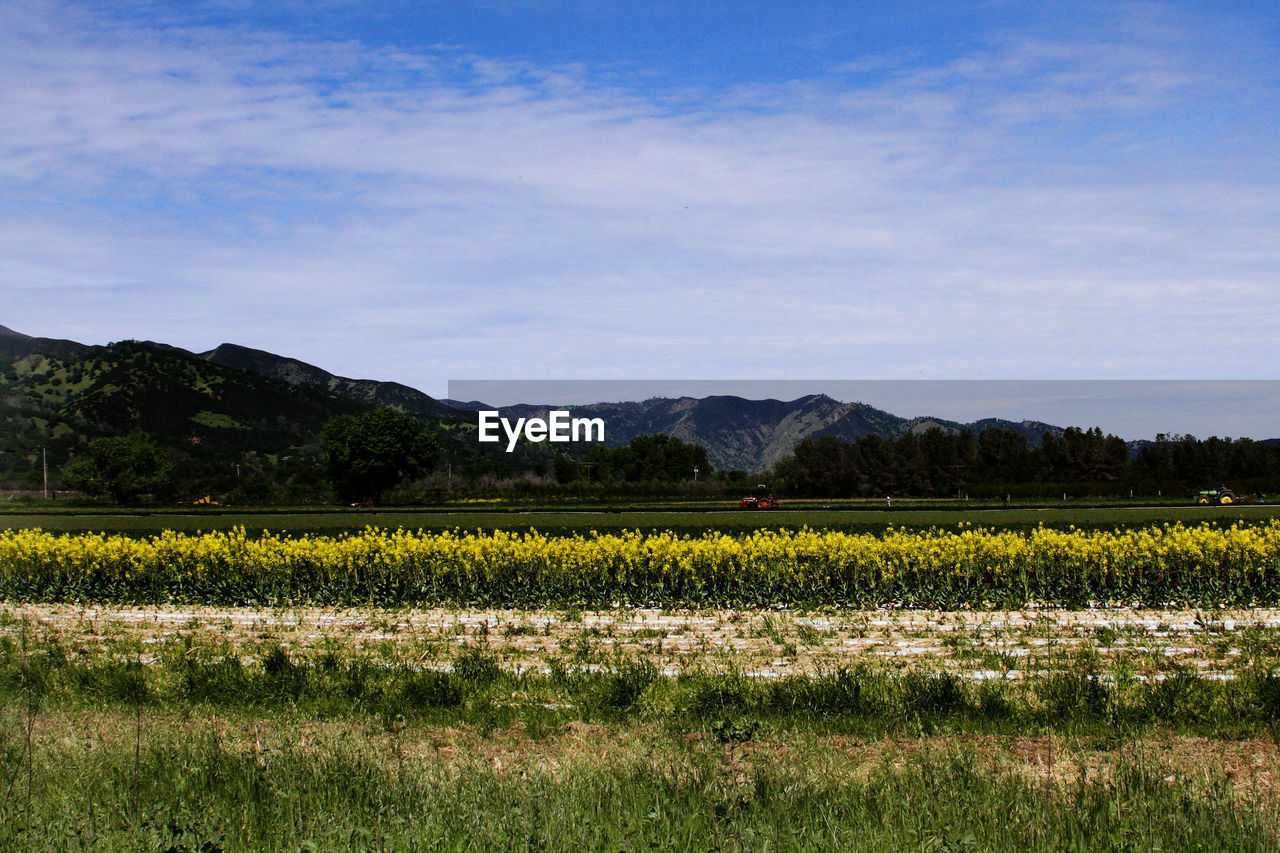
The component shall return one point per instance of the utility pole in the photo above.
(44, 464)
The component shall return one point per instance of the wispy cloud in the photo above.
(1039, 207)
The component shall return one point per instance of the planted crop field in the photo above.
(861, 517)
(962, 687)
(1201, 565)
(1119, 645)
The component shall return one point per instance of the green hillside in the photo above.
(220, 424)
(236, 421)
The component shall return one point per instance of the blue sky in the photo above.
(581, 189)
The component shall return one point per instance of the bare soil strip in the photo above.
(771, 644)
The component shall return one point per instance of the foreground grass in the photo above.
(112, 738)
(165, 783)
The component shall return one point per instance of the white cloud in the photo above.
(417, 215)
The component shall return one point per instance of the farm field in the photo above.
(1205, 564)
(355, 688)
(260, 729)
(1123, 643)
(692, 517)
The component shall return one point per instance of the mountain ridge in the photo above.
(754, 435)
(295, 372)
(739, 433)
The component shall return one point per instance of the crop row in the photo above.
(965, 566)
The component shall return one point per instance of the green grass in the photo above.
(110, 742)
(474, 689)
(286, 786)
(215, 419)
(332, 521)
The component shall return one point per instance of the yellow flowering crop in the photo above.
(966, 567)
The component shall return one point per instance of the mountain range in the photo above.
(754, 435)
(234, 402)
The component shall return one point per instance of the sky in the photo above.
(582, 189)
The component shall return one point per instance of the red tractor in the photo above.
(760, 500)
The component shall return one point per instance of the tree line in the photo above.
(371, 456)
(368, 457)
(1003, 462)
(363, 456)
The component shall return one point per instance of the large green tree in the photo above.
(127, 468)
(369, 453)
(651, 458)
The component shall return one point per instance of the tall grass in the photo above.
(202, 749)
(201, 792)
